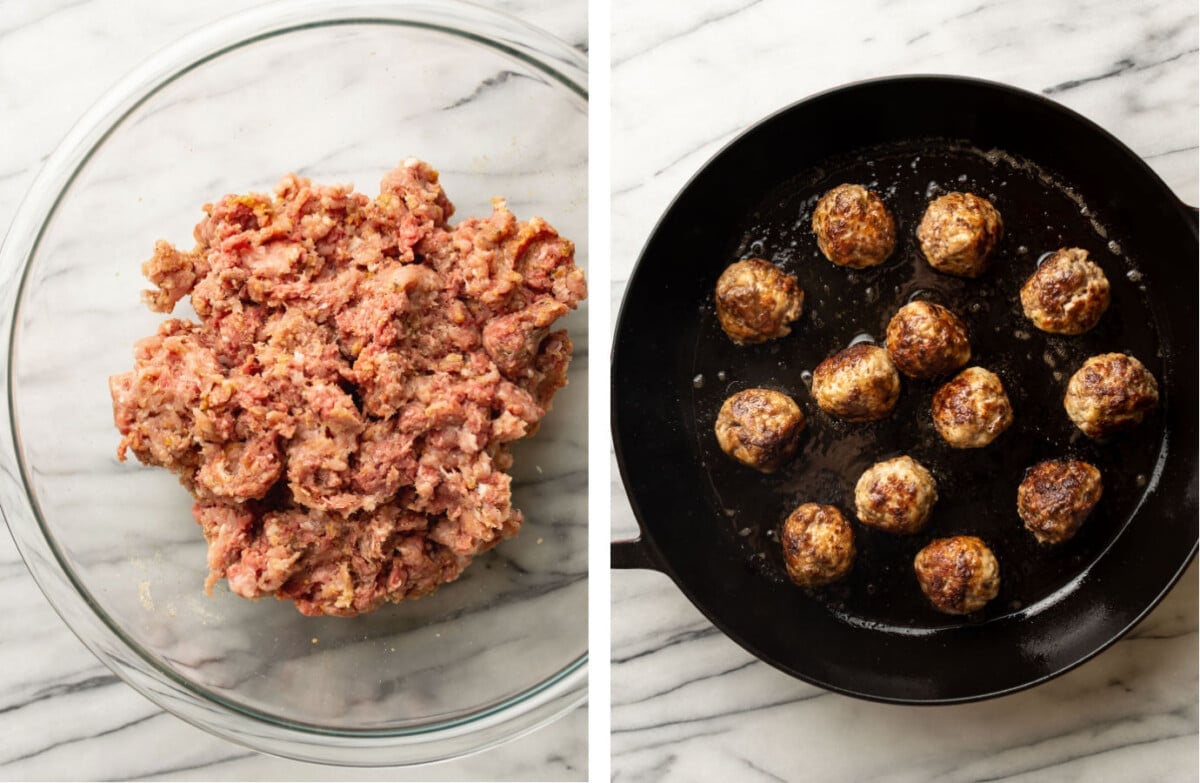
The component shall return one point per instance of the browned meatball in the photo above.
(958, 575)
(971, 410)
(1067, 293)
(926, 340)
(857, 384)
(896, 495)
(853, 227)
(959, 232)
(1110, 393)
(818, 545)
(760, 428)
(756, 301)
(1056, 496)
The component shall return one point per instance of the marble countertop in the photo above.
(689, 704)
(63, 715)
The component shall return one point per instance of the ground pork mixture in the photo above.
(342, 410)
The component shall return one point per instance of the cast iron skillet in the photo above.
(1059, 180)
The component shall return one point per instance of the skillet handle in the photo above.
(1194, 212)
(635, 553)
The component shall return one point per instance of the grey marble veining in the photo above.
(64, 715)
(688, 703)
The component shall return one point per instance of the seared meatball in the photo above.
(756, 301)
(853, 227)
(958, 575)
(896, 495)
(857, 384)
(971, 410)
(959, 232)
(760, 428)
(926, 340)
(818, 545)
(1110, 393)
(1056, 496)
(1067, 293)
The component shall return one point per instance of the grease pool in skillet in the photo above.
(977, 487)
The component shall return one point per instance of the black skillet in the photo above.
(1058, 180)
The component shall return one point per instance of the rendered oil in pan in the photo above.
(977, 487)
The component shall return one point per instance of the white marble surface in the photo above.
(687, 703)
(62, 714)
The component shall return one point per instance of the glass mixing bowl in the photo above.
(339, 92)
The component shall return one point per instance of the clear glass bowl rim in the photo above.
(519, 715)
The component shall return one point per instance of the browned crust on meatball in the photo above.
(756, 301)
(1055, 498)
(854, 227)
(857, 384)
(818, 545)
(972, 409)
(926, 340)
(760, 428)
(958, 233)
(958, 575)
(896, 495)
(1109, 394)
(1066, 294)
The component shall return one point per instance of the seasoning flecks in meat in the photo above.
(343, 410)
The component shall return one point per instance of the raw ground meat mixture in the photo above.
(343, 410)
